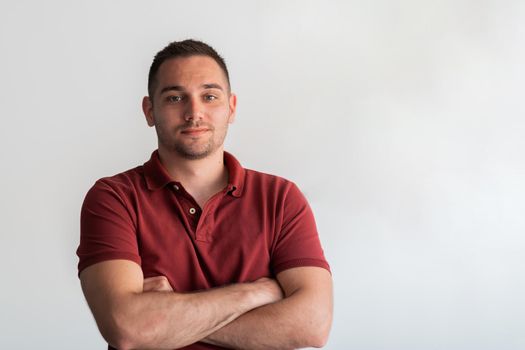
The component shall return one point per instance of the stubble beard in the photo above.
(193, 150)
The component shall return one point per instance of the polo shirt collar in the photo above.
(156, 175)
(236, 174)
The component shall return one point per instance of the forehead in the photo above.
(185, 71)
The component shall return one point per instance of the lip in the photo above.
(194, 131)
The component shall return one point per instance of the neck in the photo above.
(202, 178)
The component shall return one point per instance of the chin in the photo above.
(193, 154)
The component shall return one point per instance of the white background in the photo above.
(401, 121)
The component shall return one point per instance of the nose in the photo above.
(193, 109)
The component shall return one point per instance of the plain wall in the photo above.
(401, 121)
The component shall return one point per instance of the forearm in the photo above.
(294, 322)
(172, 320)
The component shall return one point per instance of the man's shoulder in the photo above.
(111, 193)
(258, 179)
(123, 182)
(263, 176)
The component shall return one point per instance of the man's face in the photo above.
(191, 106)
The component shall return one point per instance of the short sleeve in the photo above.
(297, 243)
(107, 226)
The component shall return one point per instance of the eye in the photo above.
(174, 98)
(210, 97)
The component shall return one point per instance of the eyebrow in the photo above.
(180, 88)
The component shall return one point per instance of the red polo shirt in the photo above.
(258, 226)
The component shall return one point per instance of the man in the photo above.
(191, 250)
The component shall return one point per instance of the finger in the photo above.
(156, 284)
(155, 278)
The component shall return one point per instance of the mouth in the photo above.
(194, 131)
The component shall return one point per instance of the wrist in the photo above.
(250, 296)
(264, 291)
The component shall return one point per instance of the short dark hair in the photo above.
(185, 48)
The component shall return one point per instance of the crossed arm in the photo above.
(133, 313)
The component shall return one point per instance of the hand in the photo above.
(269, 289)
(156, 284)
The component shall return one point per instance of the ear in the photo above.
(233, 107)
(147, 108)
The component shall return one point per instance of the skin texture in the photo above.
(129, 318)
(278, 325)
(191, 109)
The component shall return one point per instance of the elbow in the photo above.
(118, 335)
(319, 340)
(319, 337)
(308, 338)
(319, 330)
(120, 343)
(117, 338)
(122, 333)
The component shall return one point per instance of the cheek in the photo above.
(166, 116)
(221, 112)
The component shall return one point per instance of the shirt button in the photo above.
(192, 210)
(176, 187)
